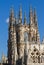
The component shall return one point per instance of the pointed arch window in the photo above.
(25, 37)
(17, 37)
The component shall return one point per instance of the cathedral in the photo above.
(24, 46)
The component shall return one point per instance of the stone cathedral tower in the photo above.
(24, 40)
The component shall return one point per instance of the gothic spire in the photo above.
(12, 18)
(20, 15)
(35, 18)
(31, 16)
(12, 12)
(24, 18)
(36, 25)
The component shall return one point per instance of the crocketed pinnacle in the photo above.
(24, 18)
(35, 18)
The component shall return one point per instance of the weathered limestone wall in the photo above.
(36, 63)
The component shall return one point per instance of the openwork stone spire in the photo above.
(24, 18)
(35, 18)
(31, 16)
(20, 15)
(12, 12)
(12, 18)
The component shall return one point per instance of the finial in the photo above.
(35, 18)
(31, 15)
(20, 12)
(30, 9)
(25, 18)
(20, 8)
(12, 18)
(12, 12)
(34, 11)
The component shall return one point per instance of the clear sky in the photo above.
(4, 14)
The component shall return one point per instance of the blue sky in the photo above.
(4, 14)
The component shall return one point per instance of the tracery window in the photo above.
(25, 37)
(35, 55)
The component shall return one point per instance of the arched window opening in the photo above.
(25, 37)
(17, 37)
